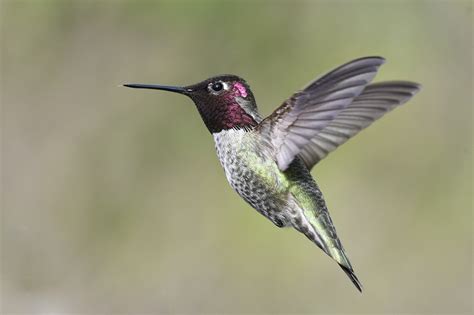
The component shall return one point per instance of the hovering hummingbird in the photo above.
(267, 161)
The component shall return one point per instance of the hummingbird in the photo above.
(267, 161)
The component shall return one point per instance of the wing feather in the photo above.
(292, 126)
(375, 101)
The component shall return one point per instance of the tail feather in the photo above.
(314, 221)
(350, 273)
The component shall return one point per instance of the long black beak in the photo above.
(175, 89)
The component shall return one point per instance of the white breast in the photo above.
(228, 144)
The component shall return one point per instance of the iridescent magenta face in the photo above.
(220, 101)
(240, 88)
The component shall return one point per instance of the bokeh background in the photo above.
(113, 200)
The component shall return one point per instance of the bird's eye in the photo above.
(217, 86)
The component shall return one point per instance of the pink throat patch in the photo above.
(241, 89)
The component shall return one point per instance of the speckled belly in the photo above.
(253, 175)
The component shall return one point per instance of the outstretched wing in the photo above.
(292, 126)
(375, 101)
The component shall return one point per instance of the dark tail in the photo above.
(352, 276)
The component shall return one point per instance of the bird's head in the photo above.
(224, 101)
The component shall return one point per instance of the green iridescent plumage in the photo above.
(287, 198)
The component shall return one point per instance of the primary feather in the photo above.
(376, 100)
(292, 126)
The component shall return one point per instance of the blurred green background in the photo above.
(113, 200)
